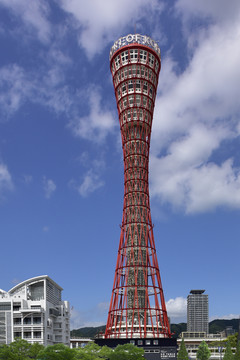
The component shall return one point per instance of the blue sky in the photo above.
(61, 168)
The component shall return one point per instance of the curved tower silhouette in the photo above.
(137, 307)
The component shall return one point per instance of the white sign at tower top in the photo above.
(134, 38)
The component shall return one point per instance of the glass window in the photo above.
(27, 334)
(130, 86)
(138, 85)
(5, 306)
(37, 320)
(17, 334)
(37, 334)
(151, 59)
(140, 342)
(27, 320)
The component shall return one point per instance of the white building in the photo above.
(33, 310)
(192, 341)
(79, 342)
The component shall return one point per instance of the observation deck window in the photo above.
(123, 88)
(144, 101)
(151, 59)
(130, 86)
(138, 85)
(124, 56)
(134, 68)
(145, 87)
(138, 100)
(133, 55)
(117, 62)
(151, 92)
(143, 56)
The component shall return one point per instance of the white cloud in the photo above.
(177, 308)
(6, 183)
(49, 187)
(14, 88)
(219, 10)
(45, 228)
(224, 317)
(99, 123)
(33, 14)
(102, 21)
(196, 112)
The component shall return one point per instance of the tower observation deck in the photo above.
(137, 307)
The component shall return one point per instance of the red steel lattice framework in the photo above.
(137, 306)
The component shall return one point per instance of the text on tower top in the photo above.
(134, 38)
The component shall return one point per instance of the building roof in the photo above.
(33, 280)
(197, 292)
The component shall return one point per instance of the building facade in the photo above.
(34, 311)
(193, 340)
(197, 312)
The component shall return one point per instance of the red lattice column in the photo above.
(137, 307)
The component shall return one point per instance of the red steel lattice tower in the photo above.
(137, 308)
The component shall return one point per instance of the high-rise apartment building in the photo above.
(34, 311)
(197, 311)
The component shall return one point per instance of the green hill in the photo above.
(215, 326)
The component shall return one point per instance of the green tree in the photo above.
(56, 352)
(228, 355)
(182, 353)
(93, 352)
(4, 352)
(232, 339)
(203, 352)
(237, 353)
(17, 350)
(34, 350)
(127, 352)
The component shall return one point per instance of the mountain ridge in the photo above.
(215, 326)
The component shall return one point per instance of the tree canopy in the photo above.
(182, 353)
(203, 352)
(22, 350)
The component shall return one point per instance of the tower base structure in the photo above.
(154, 348)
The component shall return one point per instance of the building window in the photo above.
(27, 334)
(37, 334)
(17, 334)
(37, 320)
(140, 342)
(27, 321)
(5, 306)
(17, 321)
